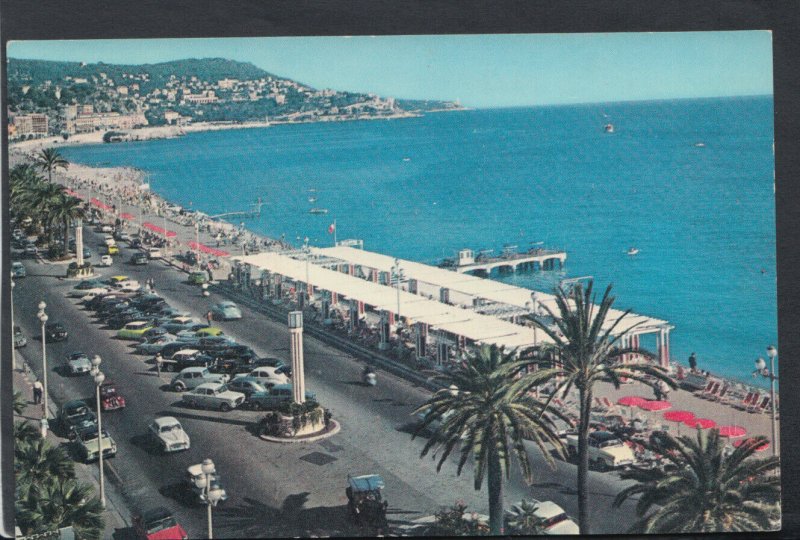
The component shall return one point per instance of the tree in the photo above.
(39, 464)
(62, 503)
(526, 521)
(489, 422)
(40, 200)
(25, 433)
(704, 491)
(585, 344)
(66, 209)
(50, 159)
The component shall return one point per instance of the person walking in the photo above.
(693, 362)
(159, 361)
(38, 390)
(209, 317)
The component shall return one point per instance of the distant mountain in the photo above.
(36, 72)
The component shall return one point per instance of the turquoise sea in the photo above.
(688, 182)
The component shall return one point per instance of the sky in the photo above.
(500, 70)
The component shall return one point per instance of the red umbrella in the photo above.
(760, 448)
(732, 432)
(206, 249)
(702, 423)
(126, 215)
(159, 230)
(631, 401)
(655, 405)
(678, 416)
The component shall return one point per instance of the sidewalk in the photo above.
(117, 516)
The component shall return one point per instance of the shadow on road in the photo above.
(229, 421)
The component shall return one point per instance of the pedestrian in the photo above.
(693, 362)
(209, 317)
(159, 360)
(657, 392)
(37, 392)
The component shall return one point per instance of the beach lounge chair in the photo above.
(750, 399)
(760, 406)
(709, 386)
(720, 395)
(712, 391)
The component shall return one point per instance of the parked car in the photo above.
(122, 236)
(89, 284)
(197, 278)
(75, 416)
(110, 250)
(606, 451)
(105, 261)
(110, 398)
(90, 441)
(134, 330)
(153, 253)
(87, 253)
(18, 270)
(179, 323)
(226, 311)
(192, 377)
(274, 397)
(80, 293)
(120, 320)
(194, 473)
(193, 332)
(54, 332)
(30, 250)
(168, 434)
(158, 524)
(19, 338)
(213, 396)
(108, 240)
(268, 361)
(156, 331)
(553, 518)
(171, 348)
(154, 344)
(78, 363)
(139, 259)
(267, 376)
(209, 331)
(247, 386)
(187, 358)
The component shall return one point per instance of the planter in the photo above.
(303, 422)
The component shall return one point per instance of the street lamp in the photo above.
(98, 381)
(43, 318)
(397, 275)
(762, 370)
(213, 494)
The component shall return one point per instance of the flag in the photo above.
(332, 228)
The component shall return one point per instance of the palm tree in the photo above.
(67, 208)
(40, 200)
(62, 503)
(23, 179)
(25, 433)
(527, 522)
(706, 491)
(587, 353)
(479, 413)
(38, 464)
(50, 159)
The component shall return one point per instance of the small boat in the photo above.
(312, 199)
(318, 211)
(406, 159)
(633, 251)
(700, 145)
(608, 128)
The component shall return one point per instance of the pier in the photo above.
(509, 262)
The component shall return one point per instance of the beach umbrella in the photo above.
(655, 405)
(760, 448)
(127, 215)
(631, 401)
(679, 417)
(732, 432)
(702, 423)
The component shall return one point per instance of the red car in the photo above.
(158, 524)
(110, 399)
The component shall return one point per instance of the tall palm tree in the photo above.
(62, 503)
(23, 179)
(67, 208)
(587, 351)
(488, 422)
(50, 159)
(40, 200)
(38, 464)
(706, 491)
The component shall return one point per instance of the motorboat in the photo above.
(312, 199)
(318, 211)
(633, 251)
(700, 145)
(608, 128)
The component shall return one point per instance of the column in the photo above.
(374, 275)
(353, 315)
(422, 339)
(391, 318)
(326, 310)
(351, 269)
(444, 295)
(384, 330)
(663, 348)
(442, 351)
(361, 309)
(413, 286)
(334, 298)
(78, 242)
(296, 347)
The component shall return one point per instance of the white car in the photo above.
(213, 396)
(128, 285)
(80, 293)
(168, 434)
(153, 253)
(109, 240)
(268, 376)
(106, 228)
(554, 519)
(78, 363)
(106, 260)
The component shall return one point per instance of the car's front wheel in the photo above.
(256, 406)
(225, 407)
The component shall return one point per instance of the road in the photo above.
(274, 489)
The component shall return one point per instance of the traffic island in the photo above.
(297, 422)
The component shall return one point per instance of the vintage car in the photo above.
(267, 376)
(274, 397)
(179, 323)
(195, 472)
(246, 386)
(54, 332)
(213, 396)
(81, 293)
(106, 261)
(192, 377)
(198, 278)
(168, 434)
(209, 331)
(110, 398)
(553, 518)
(134, 330)
(139, 259)
(364, 501)
(18, 270)
(74, 417)
(89, 440)
(110, 250)
(606, 451)
(19, 338)
(154, 344)
(153, 253)
(157, 524)
(226, 311)
(78, 363)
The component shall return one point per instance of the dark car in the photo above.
(112, 307)
(268, 361)
(118, 321)
(89, 284)
(247, 386)
(232, 366)
(181, 362)
(139, 259)
(54, 332)
(171, 348)
(153, 332)
(75, 416)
